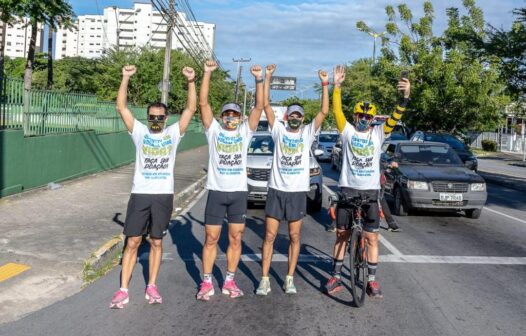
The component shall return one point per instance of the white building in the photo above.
(18, 36)
(137, 27)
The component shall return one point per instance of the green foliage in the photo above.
(103, 76)
(452, 90)
(489, 145)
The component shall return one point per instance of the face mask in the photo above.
(294, 123)
(156, 126)
(231, 122)
(362, 125)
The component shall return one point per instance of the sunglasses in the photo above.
(152, 117)
(364, 116)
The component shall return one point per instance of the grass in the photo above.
(91, 274)
(480, 153)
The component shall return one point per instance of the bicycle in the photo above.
(357, 247)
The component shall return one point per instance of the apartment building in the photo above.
(139, 26)
(18, 36)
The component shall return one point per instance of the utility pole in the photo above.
(168, 54)
(118, 31)
(239, 67)
(375, 36)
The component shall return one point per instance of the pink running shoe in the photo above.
(119, 299)
(230, 288)
(206, 290)
(152, 295)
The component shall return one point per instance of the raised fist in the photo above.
(256, 71)
(324, 77)
(210, 65)
(189, 73)
(128, 70)
(404, 85)
(339, 75)
(270, 69)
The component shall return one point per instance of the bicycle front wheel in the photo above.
(358, 267)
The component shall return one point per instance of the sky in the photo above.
(302, 36)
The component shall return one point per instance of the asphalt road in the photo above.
(443, 275)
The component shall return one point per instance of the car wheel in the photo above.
(400, 208)
(473, 213)
(316, 204)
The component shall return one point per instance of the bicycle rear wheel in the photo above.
(358, 267)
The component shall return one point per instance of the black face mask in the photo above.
(156, 123)
(294, 123)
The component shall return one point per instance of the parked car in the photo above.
(431, 176)
(469, 159)
(259, 163)
(325, 142)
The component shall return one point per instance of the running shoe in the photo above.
(230, 288)
(394, 229)
(152, 295)
(289, 285)
(373, 290)
(334, 285)
(264, 287)
(119, 299)
(332, 227)
(206, 290)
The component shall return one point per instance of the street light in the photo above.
(375, 36)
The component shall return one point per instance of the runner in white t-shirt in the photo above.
(360, 177)
(227, 180)
(151, 201)
(289, 179)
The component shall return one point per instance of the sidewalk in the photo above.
(506, 169)
(55, 231)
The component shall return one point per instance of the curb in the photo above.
(512, 182)
(105, 254)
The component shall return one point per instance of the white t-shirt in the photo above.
(227, 162)
(154, 159)
(361, 158)
(290, 166)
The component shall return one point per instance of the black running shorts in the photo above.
(289, 206)
(232, 204)
(372, 219)
(148, 213)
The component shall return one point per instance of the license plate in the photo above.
(450, 197)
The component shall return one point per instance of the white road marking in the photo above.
(507, 216)
(389, 258)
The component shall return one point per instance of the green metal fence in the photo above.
(50, 112)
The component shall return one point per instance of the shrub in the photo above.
(489, 145)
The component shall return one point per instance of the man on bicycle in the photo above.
(360, 177)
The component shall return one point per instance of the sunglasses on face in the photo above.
(152, 117)
(364, 116)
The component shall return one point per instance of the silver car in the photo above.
(259, 163)
(325, 142)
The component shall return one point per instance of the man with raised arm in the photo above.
(360, 176)
(151, 201)
(228, 143)
(289, 179)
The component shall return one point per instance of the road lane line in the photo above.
(507, 216)
(384, 241)
(391, 258)
(10, 270)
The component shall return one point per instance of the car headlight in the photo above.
(417, 185)
(315, 171)
(478, 186)
(249, 171)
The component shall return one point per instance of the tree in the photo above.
(451, 89)
(8, 11)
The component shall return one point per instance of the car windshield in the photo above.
(262, 125)
(261, 145)
(328, 138)
(445, 138)
(429, 154)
